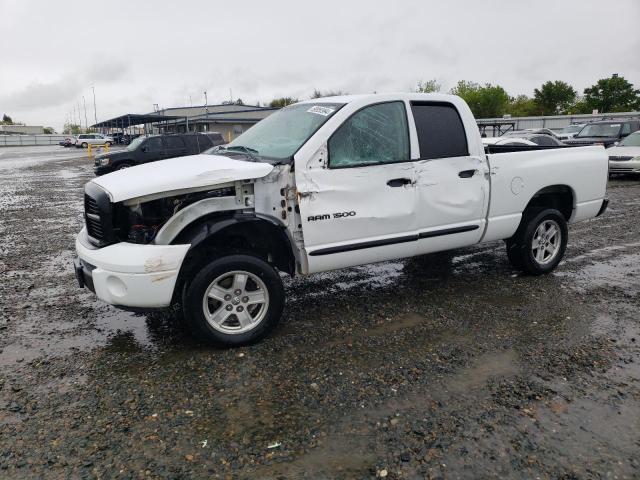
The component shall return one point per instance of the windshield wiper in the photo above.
(251, 152)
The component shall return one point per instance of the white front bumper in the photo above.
(132, 275)
(626, 166)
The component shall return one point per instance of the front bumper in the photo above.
(625, 166)
(102, 169)
(128, 274)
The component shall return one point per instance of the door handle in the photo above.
(467, 173)
(399, 182)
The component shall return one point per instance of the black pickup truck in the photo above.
(156, 147)
(604, 132)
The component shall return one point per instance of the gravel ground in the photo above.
(443, 366)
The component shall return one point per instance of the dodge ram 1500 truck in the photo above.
(321, 185)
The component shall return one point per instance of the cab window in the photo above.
(377, 134)
(153, 144)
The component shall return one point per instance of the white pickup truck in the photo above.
(321, 185)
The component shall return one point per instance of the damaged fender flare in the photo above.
(261, 235)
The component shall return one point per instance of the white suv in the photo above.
(85, 139)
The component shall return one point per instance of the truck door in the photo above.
(359, 207)
(152, 149)
(452, 185)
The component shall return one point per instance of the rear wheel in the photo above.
(84, 145)
(540, 242)
(234, 300)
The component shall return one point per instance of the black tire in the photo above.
(84, 145)
(123, 165)
(195, 289)
(108, 144)
(520, 248)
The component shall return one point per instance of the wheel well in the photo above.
(559, 197)
(239, 233)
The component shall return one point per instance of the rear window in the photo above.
(440, 130)
(197, 143)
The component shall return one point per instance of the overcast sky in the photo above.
(139, 53)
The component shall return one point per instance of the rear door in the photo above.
(175, 146)
(452, 188)
(361, 208)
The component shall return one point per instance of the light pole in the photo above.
(95, 112)
(86, 123)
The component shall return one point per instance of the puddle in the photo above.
(622, 271)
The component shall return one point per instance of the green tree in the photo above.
(320, 94)
(554, 98)
(614, 94)
(429, 86)
(72, 128)
(6, 120)
(48, 130)
(282, 102)
(523, 106)
(485, 101)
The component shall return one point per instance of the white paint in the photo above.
(340, 207)
(178, 174)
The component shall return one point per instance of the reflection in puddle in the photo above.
(621, 271)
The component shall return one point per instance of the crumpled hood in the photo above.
(177, 174)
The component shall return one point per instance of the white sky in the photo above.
(145, 52)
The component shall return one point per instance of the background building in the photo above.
(229, 120)
(21, 129)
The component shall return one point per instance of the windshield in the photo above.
(281, 134)
(134, 144)
(572, 129)
(632, 140)
(600, 130)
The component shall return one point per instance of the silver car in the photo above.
(624, 157)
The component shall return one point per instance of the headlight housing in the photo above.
(105, 161)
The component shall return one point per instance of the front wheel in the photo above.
(84, 145)
(233, 300)
(540, 242)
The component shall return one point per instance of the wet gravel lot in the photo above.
(444, 366)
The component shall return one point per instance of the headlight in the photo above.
(105, 161)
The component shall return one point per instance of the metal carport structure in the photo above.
(131, 119)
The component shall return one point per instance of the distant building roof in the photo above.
(243, 116)
(130, 119)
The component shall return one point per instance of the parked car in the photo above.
(604, 132)
(625, 156)
(118, 137)
(569, 131)
(67, 142)
(147, 149)
(542, 140)
(85, 139)
(321, 185)
(507, 141)
(532, 131)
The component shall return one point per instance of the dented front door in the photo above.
(358, 193)
(357, 215)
